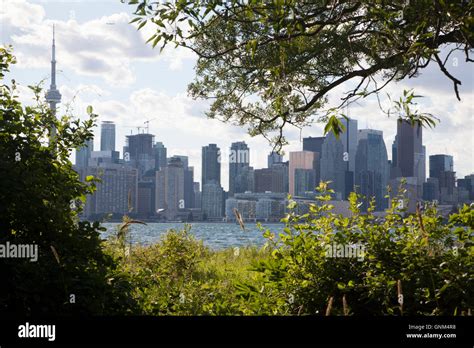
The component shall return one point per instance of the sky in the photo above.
(103, 61)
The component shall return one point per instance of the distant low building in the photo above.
(252, 206)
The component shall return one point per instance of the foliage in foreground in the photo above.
(39, 195)
(180, 276)
(411, 265)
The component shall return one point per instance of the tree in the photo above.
(268, 64)
(40, 197)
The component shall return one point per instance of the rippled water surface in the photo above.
(214, 235)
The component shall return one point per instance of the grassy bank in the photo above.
(180, 276)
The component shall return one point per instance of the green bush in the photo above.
(40, 197)
(412, 264)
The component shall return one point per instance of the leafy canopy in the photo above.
(269, 64)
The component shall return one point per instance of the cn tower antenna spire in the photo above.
(53, 62)
(53, 97)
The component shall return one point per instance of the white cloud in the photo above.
(104, 47)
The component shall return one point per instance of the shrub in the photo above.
(37, 189)
(412, 264)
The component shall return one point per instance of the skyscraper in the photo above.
(140, 152)
(140, 146)
(189, 187)
(410, 152)
(53, 97)
(395, 171)
(301, 160)
(274, 179)
(442, 169)
(160, 155)
(447, 183)
(170, 188)
(107, 136)
(146, 199)
(313, 144)
(245, 180)
(83, 154)
(333, 167)
(183, 159)
(349, 138)
(431, 189)
(116, 192)
(440, 163)
(371, 168)
(197, 195)
(212, 201)
(467, 184)
(304, 181)
(239, 161)
(274, 157)
(211, 166)
(394, 152)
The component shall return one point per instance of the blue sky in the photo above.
(103, 61)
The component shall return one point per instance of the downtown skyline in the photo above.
(142, 85)
(141, 180)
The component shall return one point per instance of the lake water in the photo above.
(213, 235)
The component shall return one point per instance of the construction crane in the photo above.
(147, 122)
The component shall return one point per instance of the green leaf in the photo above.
(89, 178)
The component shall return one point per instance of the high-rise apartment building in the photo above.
(240, 174)
(211, 164)
(212, 201)
(116, 192)
(371, 168)
(170, 189)
(107, 136)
